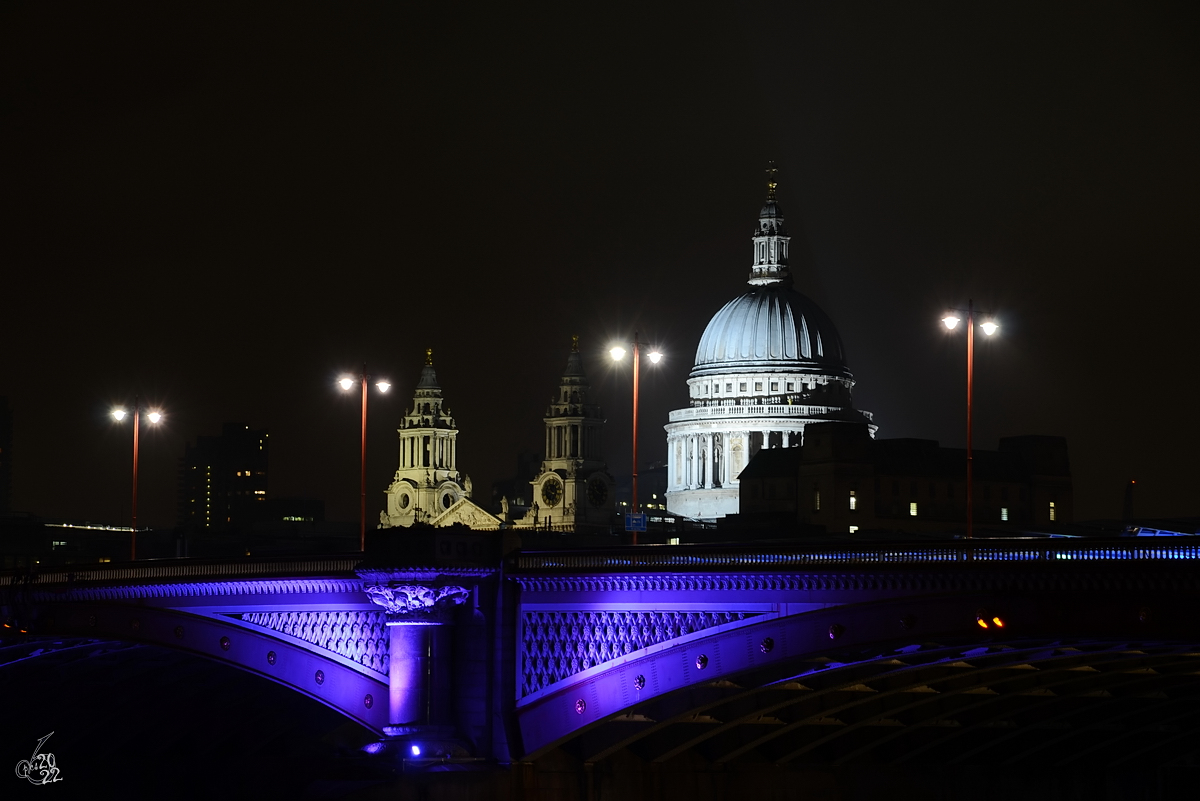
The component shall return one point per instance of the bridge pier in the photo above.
(408, 677)
(419, 663)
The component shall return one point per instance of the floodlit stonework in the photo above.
(769, 363)
(428, 487)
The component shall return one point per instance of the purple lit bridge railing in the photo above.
(739, 648)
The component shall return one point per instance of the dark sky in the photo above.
(222, 207)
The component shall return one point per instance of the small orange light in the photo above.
(982, 623)
(999, 623)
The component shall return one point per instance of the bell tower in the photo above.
(573, 487)
(427, 482)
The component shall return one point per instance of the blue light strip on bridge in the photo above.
(750, 557)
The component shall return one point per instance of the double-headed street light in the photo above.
(989, 327)
(154, 416)
(618, 353)
(347, 383)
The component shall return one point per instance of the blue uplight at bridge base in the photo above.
(373, 748)
(416, 750)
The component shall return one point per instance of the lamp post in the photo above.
(347, 383)
(989, 328)
(618, 353)
(154, 416)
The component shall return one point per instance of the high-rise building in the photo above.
(6, 439)
(769, 363)
(223, 479)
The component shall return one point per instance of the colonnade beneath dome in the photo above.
(714, 459)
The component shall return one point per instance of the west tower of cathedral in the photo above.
(428, 487)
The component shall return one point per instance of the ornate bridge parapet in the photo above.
(607, 637)
(346, 636)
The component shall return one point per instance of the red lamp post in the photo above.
(618, 353)
(347, 383)
(154, 416)
(989, 328)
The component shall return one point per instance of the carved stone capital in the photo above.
(416, 604)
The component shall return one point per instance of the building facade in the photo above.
(769, 363)
(845, 481)
(223, 479)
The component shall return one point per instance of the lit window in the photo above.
(1053, 516)
(774, 386)
(729, 387)
(260, 492)
(1004, 513)
(853, 529)
(912, 509)
(741, 386)
(791, 386)
(758, 386)
(816, 500)
(673, 541)
(853, 501)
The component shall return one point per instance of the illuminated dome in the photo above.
(769, 363)
(771, 328)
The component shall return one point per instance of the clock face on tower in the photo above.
(551, 492)
(597, 492)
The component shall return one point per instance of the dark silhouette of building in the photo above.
(845, 482)
(6, 438)
(223, 479)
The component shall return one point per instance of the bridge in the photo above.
(568, 671)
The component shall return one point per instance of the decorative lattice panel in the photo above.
(560, 644)
(361, 636)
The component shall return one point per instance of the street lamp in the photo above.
(989, 328)
(618, 353)
(347, 383)
(155, 416)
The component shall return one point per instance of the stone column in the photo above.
(693, 461)
(708, 460)
(413, 612)
(785, 438)
(408, 674)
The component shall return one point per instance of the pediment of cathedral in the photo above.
(464, 511)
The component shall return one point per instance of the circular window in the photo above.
(404, 501)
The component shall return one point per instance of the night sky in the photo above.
(224, 207)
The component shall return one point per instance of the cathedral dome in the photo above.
(774, 328)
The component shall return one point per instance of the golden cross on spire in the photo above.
(429, 356)
(574, 343)
(771, 183)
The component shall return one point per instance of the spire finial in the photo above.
(429, 356)
(574, 343)
(771, 183)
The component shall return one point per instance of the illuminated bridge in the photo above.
(664, 668)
